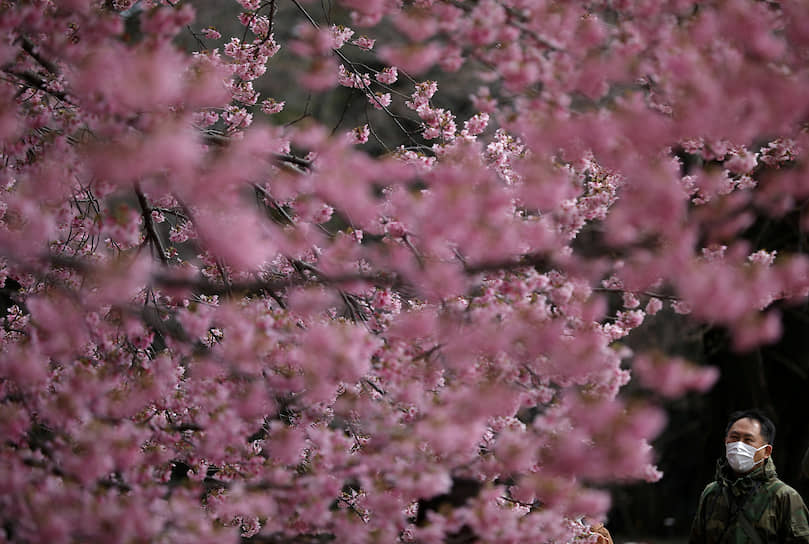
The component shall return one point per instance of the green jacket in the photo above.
(755, 508)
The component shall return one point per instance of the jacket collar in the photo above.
(742, 484)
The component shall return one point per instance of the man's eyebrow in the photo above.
(744, 435)
(751, 435)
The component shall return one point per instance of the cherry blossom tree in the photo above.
(407, 327)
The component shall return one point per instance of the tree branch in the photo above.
(34, 81)
(29, 48)
(149, 225)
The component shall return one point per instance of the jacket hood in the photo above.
(740, 484)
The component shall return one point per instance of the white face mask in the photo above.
(740, 456)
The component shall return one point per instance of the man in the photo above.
(747, 502)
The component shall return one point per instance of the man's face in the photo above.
(749, 431)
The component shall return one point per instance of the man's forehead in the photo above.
(746, 426)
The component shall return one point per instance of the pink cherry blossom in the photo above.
(388, 75)
(672, 377)
(364, 42)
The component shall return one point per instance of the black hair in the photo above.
(767, 426)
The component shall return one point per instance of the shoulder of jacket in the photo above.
(776, 484)
(710, 489)
(780, 488)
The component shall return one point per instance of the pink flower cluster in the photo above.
(672, 377)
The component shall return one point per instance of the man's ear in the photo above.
(768, 451)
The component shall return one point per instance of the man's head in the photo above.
(748, 433)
